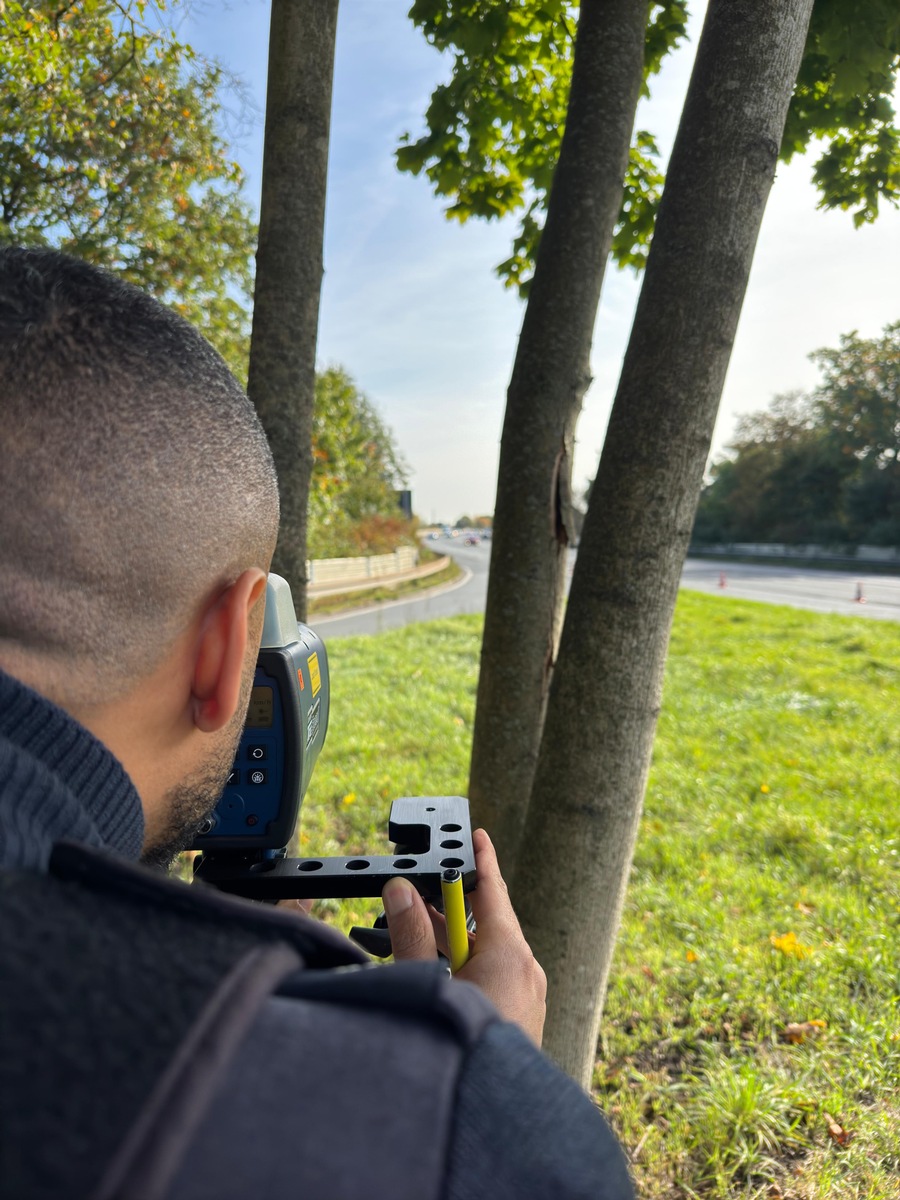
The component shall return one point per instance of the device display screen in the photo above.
(262, 706)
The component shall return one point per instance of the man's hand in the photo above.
(500, 960)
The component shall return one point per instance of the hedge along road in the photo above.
(858, 595)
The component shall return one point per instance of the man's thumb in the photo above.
(412, 935)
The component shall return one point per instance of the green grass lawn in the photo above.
(751, 1038)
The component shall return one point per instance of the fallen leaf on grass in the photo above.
(806, 909)
(789, 945)
(837, 1132)
(796, 1032)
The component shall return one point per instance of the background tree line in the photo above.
(822, 467)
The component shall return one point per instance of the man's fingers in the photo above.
(412, 934)
(490, 901)
(501, 963)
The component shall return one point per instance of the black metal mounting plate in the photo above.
(431, 833)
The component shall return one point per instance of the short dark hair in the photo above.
(135, 476)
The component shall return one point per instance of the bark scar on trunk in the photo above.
(563, 526)
(547, 673)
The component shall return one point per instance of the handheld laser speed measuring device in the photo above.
(287, 720)
(243, 843)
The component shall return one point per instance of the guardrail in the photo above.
(859, 554)
(364, 566)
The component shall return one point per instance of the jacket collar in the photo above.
(58, 781)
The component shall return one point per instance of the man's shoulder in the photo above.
(347, 1100)
(337, 1099)
(151, 988)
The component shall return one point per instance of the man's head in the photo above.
(136, 490)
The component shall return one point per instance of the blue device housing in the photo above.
(286, 725)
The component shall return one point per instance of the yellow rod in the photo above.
(455, 912)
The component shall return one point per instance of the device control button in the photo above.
(257, 776)
(233, 778)
(256, 753)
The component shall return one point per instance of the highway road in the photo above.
(856, 595)
(466, 595)
(820, 591)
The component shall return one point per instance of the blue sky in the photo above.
(410, 305)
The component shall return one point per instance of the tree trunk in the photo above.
(590, 779)
(282, 372)
(532, 519)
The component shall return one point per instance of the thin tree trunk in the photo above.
(281, 380)
(601, 718)
(532, 519)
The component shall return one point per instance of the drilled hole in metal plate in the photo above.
(451, 844)
(452, 862)
(450, 828)
(405, 864)
(430, 809)
(358, 864)
(309, 864)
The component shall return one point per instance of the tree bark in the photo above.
(281, 381)
(591, 775)
(532, 518)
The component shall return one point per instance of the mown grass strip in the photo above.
(751, 1040)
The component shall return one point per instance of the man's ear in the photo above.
(220, 651)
